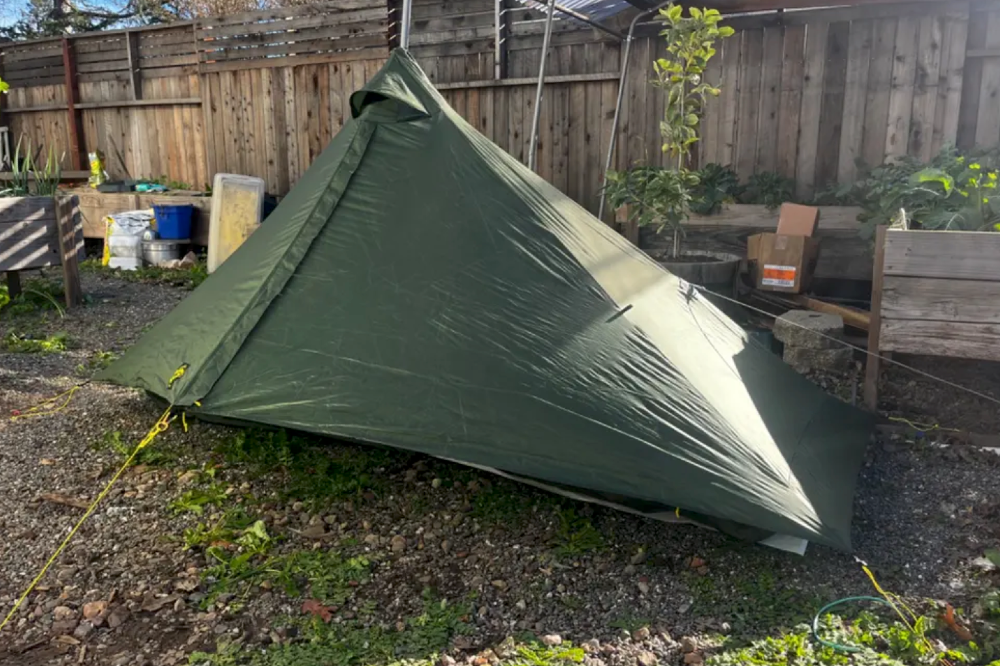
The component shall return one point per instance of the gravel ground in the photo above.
(127, 591)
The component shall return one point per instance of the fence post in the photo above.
(500, 34)
(132, 45)
(75, 126)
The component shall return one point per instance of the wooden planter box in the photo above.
(936, 293)
(39, 232)
(95, 206)
(843, 254)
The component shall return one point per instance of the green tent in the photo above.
(421, 289)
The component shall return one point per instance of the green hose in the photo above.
(838, 602)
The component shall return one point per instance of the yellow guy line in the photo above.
(161, 425)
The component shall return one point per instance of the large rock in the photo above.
(812, 330)
(804, 359)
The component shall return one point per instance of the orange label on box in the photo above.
(778, 276)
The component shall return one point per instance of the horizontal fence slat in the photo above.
(941, 338)
(463, 35)
(330, 33)
(284, 25)
(970, 255)
(339, 56)
(937, 299)
(324, 8)
(446, 23)
(312, 47)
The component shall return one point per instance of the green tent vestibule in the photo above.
(419, 288)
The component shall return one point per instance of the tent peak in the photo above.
(402, 81)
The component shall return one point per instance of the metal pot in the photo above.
(156, 252)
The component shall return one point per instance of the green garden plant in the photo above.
(660, 196)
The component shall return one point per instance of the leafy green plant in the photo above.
(717, 186)
(769, 189)
(681, 74)
(48, 177)
(38, 294)
(96, 361)
(654, 196)
(27, 344)
(196, 499)
(576, 535)
(20, 170)
(660, 196)
(113, 441)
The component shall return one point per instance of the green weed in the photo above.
(153, 455)
(27, 344)
(186, 278)
(534, 654)
(502, 503)
(576, 535)
(877, 641)
(311, 470)
(37, 295)
(630, 623)
(196, 499)
(96, 361)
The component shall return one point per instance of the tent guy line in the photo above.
(867, 352)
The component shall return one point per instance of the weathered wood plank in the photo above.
(729, 101)
(972, 79)
(770, 95)
(749, 102)
(875, 323)
(793, 65)
(812, 104)
(988, 120)
(939, 299)
(70, 245)
(832, 113)
(855, 95)
(925, 95)
(966, 255)
(942, 338)
(876, 120)
(948, 108)
(904, 71)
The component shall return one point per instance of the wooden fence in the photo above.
(805, 93)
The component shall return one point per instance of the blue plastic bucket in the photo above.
(173, 222)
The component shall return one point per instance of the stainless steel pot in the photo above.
(156, 252)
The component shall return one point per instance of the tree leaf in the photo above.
(317, 609)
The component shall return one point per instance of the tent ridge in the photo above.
(270, 287)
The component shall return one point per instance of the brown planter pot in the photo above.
(717, 274)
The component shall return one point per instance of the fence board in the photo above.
(812, 103)
(904, 70)
(940, 299)
(988, 119)
(855, 95)
(749, 100)
(925, 94)
(832, 112)
(948, 108)
(793, 64)
(770, 95)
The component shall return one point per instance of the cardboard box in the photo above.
(796, 220)
(779, 262)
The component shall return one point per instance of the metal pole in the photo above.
(589, 21)
(621, 94)
(404, 30)
(533, 145)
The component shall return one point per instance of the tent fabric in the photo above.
(420, 288)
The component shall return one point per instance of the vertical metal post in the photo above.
(404, 29)
(621, 93)
(499, 40)
(533, 145)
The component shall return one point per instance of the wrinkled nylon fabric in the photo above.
(420, 288)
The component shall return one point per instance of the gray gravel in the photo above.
(922, 514)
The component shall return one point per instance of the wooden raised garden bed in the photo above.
(935, 293)
(40, 232)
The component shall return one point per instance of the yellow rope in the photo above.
(920, 427)
(41, 408)
(161, 425)
(177, 375)
(896, 603)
